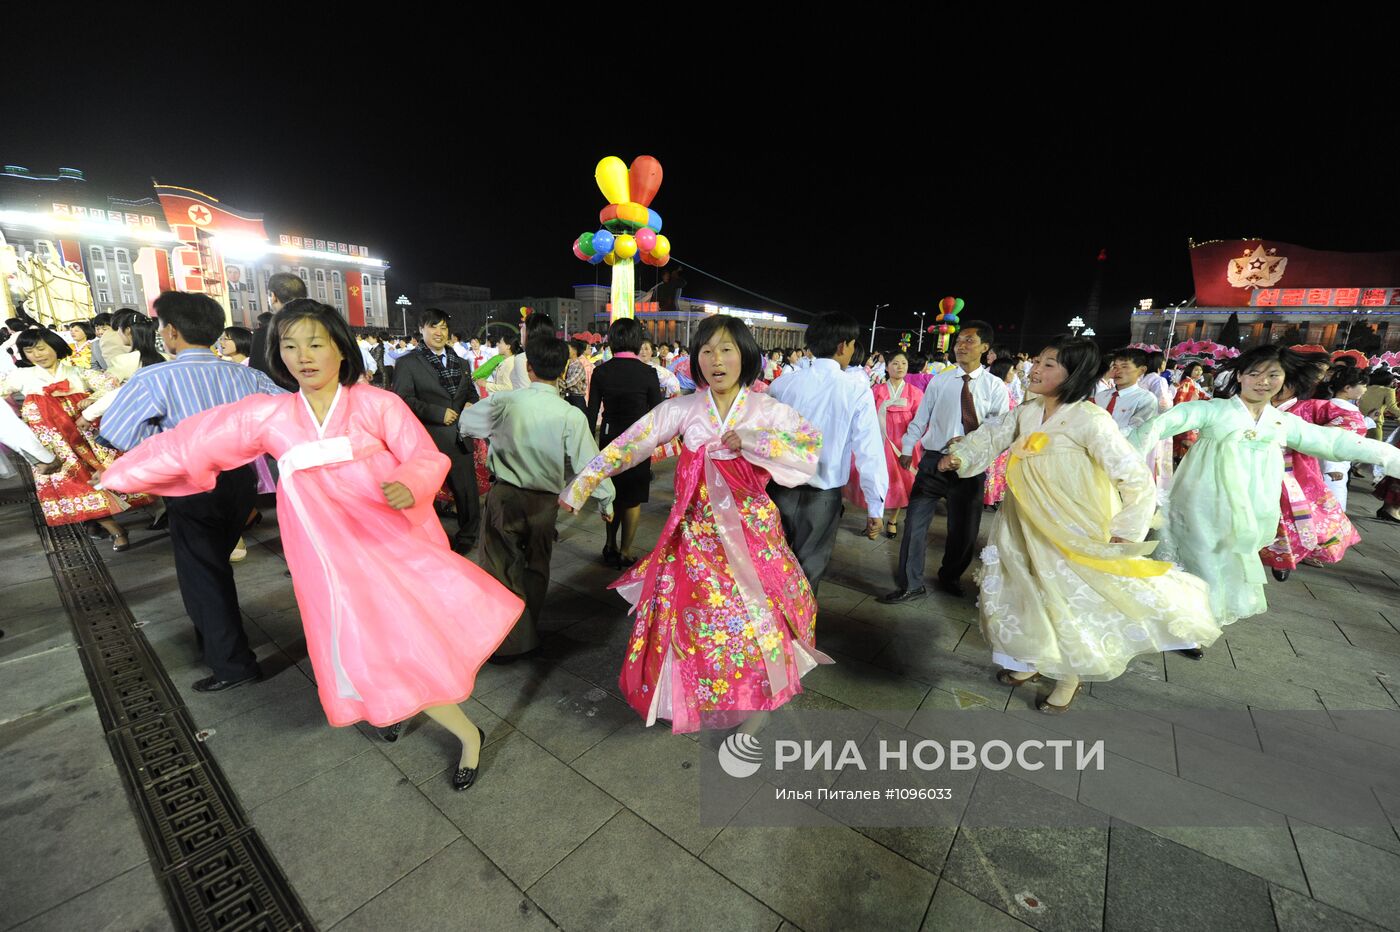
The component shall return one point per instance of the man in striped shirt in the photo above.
(205, 527)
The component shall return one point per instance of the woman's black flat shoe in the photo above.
(610, 556)
(120, 543)
(391, 734)
(1282, 575)
(466, 776)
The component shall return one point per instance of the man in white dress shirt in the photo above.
(843, 409)
(955, 403)
(1128, 402)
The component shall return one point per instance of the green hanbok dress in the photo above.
(1223, 506)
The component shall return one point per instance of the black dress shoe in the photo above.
(466, 776)
(212, 684)
(610, 555)
(902, 595)
(161, 522)
(97, 531)
(1383, 515)
(391, 734)
(952, 588)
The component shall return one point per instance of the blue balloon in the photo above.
(596, 258)
(603, 242)
(653, 220)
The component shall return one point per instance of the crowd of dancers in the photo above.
(1136, 510)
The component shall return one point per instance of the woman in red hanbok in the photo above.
(896, 402)
(725, 620)
(358, 472)
(1189, 390)
(1312, 525)
(53, 390)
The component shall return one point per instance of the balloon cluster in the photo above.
(629, 227)
(948, 310)
(1201, 349)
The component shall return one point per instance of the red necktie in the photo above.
(969, 411)
(1112, 401)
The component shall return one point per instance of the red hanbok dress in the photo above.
(381, 652)
(725, 619)
(894, 421)
(1311, 521)
(50, 409)
(1187, 391)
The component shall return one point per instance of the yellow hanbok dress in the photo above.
(1057, 597)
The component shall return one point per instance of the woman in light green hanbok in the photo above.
(1224, 501)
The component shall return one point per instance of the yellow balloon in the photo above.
(611, 258)
(611, 175)
(662, 248)
(625, 246)
(524, 312)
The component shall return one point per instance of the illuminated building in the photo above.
(131, 249)
(1283, 292)
(772, 331)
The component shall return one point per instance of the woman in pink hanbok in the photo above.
(1313, 527)
(358, 473)
(725, 620)
(896, 402)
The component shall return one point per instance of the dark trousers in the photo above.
(964, 497)
(516, 550)
(204, 529)
(578, 401)
(461, 479)
(810, 519)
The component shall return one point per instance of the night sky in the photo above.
(774, 185)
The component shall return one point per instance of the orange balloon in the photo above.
(644, 179)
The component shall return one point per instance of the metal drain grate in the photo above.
(215, 870)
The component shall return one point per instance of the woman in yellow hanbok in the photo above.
(1068, 589)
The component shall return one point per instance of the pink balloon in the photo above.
(646, 239)
(579, 253)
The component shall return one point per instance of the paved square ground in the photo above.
(584, 819)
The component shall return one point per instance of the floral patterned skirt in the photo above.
(995, 489)
(1333, 530)
(67, 496)
(692, 626)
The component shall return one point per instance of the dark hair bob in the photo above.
(352, 366)
(751, 357)
(1079, 356)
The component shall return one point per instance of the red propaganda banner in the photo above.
(183, 207)
(72, 252)
(355, 306)
(1228, 273)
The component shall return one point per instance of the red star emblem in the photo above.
(200, 214)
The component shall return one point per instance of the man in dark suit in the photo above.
(436, 383)
(282, 289)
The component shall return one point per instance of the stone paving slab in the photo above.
(585, 819)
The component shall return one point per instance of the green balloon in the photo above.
(585, 244)
(957, 306)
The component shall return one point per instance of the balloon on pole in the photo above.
(629, 227)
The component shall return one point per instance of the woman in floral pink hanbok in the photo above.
(725, 621)
(1313, 526)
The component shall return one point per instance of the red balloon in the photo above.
(644, 179)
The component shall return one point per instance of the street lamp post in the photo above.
(404, 304)
(1089, 332)
(872, 326)
(1076, 325)
(921, 315)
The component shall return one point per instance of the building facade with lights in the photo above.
(772, 331)
(168, 237)
(1283, 292)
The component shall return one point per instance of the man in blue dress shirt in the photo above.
(843, 409)
(203, 528)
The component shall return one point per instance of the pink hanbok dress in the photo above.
(894, 421)
(1312, 523)
(725, 619)
(380, 652)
